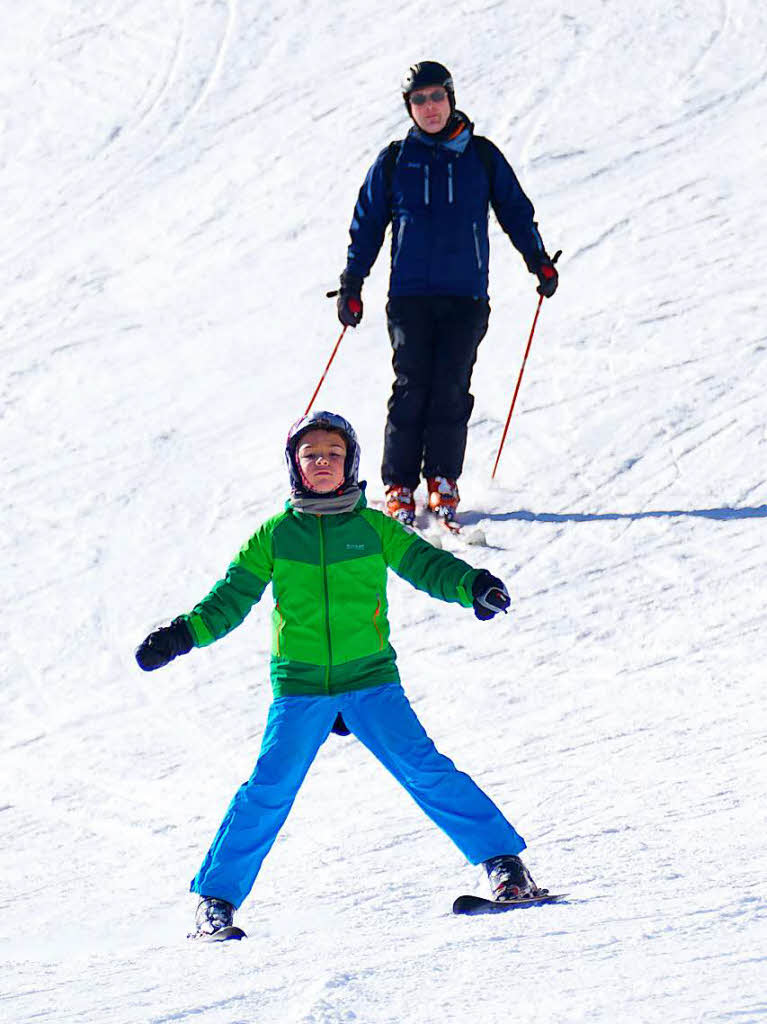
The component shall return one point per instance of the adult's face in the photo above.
(430, 108)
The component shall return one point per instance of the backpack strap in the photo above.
(486, 153)
(390, 162)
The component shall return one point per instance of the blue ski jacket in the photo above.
(437, 197)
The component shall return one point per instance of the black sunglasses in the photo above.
(420, 98)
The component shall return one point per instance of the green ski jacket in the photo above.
(330, 628)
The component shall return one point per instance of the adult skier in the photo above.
(435, 187)
(326, 556)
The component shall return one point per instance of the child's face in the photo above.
(321, 455)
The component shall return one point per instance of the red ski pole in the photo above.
(322, 378)
(516, 389)
(519, 379)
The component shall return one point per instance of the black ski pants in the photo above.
(434, 343)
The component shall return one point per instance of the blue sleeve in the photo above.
(515, 212)
(372, 213)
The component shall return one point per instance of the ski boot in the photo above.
(443, 497)
(213, 921)
(400, 503)
(510, 880)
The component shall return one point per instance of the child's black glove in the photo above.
(490, 595)
(163, 645)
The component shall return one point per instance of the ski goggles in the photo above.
(419, 99)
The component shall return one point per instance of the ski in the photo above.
(451, 525)
(434, 528)
(222, 935)
(441, 526)
(445, 519)
(478, 905)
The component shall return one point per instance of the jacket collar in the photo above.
(456, 138)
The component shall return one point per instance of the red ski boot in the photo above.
(400, 503)
(443, 497)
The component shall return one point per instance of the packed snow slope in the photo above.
(176, 183)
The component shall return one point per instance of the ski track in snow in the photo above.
(176, 181)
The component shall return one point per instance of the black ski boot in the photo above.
(510, 880)
(213, 921)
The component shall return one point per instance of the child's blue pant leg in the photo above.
(384, 721)
(295, 730)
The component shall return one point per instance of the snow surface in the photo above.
(176, 182)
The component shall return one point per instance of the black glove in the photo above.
(163, 645)
(490, 595)
(349, 302)
(548, 276)
(340, 728)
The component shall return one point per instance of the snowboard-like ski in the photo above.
(222, 935)
(479, 905)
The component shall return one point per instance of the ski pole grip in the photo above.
(331, 295)
(495, 600)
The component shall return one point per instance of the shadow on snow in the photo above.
(760, 512)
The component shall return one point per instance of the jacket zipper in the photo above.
(449, 183)
(426, 184)
(476, 244)
(400, 236)
(280, 628)
(323, 566)
(376, 613)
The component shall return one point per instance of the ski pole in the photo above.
(322, 378)
(519, 379)
(516, 389)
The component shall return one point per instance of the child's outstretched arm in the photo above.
(440, 573)
(224, 608)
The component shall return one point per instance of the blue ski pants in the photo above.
(382, 719)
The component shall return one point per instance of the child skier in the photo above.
(333, 668)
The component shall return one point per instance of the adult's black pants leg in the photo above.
(460, 324)
(411, 330)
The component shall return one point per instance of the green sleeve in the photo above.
(231, 598)
(427, 568)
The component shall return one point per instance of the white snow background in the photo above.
(176, 183)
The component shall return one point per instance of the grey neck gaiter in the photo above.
(326, 505)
